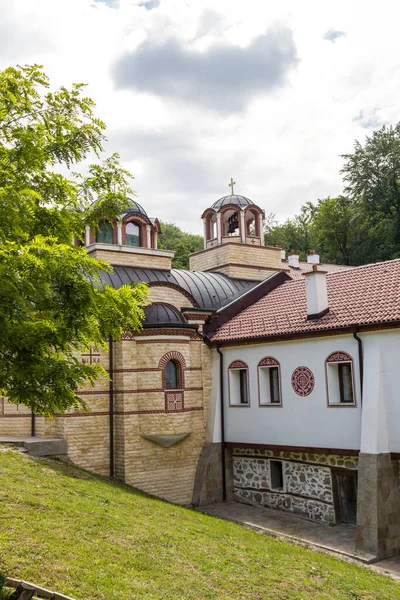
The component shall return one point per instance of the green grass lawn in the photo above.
(91, 538)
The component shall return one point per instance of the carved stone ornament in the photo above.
(166, 440)
(303, 381)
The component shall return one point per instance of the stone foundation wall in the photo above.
(307, 481)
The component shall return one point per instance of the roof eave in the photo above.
(307, 333)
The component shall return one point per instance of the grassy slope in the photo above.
(85, 536)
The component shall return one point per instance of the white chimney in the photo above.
(283, 254)
(313, 258)
(293, 260)
(316, 293)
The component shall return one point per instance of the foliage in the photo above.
(52, 305)
(372, 175)
(96, 539)
(294, 234)
(183, 244)
(363, 224)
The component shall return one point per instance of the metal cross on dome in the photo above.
(231, 184)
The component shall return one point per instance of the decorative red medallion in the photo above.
(303, 381)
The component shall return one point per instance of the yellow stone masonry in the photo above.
(238, 260)
(151, 260)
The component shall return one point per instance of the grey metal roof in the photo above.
(134, 207)
(210, 291)
(162, 314)
(241, 201)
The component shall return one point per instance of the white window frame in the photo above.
(333, 394)
(264, 382)
(235, 386)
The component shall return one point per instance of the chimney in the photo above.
(316, 293)
(283, 254)
(313, 258)
(293, 260)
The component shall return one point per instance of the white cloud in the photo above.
(282, 148)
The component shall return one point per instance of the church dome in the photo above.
(240, 201)
(134, 207)
(162, 314)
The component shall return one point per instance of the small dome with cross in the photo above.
(240, 201)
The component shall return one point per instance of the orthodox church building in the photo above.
(256, 378)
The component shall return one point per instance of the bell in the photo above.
(233, 223)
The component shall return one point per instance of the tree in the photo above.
(372, 177)
(183, 244)
(294, 234)
(52, 303)
(335, 230)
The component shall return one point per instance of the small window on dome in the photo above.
(132, 234)
(105, 233)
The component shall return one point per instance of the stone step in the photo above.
(36, 446)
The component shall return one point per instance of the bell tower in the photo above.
(234, 240)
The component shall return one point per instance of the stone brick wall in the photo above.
(158, 293)
(236, 260)
(14, 419)
(155, 260)
(307, 486)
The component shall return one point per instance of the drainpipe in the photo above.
(360, 357)
(221, 384)
(33, 424)
(111, 406)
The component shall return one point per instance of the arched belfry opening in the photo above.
(233, 218)
(128, 240)
(231, 221)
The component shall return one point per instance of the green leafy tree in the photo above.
(335, 230)
(183, 244)
(294, 234)
(52, 303)
(372, 177)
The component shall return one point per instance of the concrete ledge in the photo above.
(39, 591)
(46, 447)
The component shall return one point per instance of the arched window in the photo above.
(132, 234)
(172, 375)
(238, 384)
(105, 233)
(340, 379)
(269, 382)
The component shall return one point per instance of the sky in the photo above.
(195, 92)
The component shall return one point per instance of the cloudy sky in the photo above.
(197, 91)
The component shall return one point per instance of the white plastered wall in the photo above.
(301, 421)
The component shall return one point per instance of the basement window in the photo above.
(269, 382)
(238, 384)
(340, 379)
(276, 475)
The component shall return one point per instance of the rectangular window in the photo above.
(269, 386)
(276, 475)
(239, 387)
(274, 384)
(345, 383)
(244, 397)
(340, 384)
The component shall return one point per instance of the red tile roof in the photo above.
(361, 295)
(305, 267)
